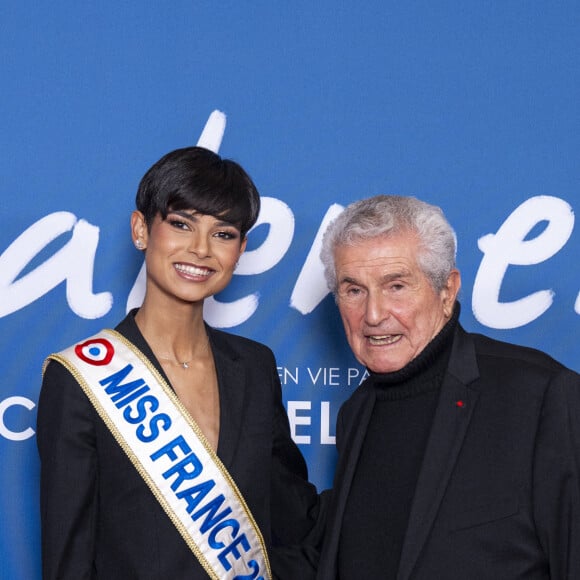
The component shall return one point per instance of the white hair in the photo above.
(384, 215)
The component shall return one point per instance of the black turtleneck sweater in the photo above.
(379, 502)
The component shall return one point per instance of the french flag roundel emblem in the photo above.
(95, 351)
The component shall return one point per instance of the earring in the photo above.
(139, 244)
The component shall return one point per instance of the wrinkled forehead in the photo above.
(396, 244)
(378, 256)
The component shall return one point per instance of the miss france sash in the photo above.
(171, 454)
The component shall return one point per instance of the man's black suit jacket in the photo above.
(498, 495)
(100, 520)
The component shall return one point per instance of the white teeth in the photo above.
(386, 339)
(192, 270)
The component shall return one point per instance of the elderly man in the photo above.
(459, 456)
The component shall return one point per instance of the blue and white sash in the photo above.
(171, 454)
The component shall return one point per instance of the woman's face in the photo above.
(189, 255)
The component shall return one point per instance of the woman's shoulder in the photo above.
(240, 344)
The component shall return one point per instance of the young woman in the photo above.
(165, 448)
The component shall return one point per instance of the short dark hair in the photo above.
(196, 178)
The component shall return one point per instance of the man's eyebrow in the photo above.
(383, 279)
(348, 280)
(395, 276)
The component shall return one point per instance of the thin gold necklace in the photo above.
(185, 364)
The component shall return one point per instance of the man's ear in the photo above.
(139, 231)
(450, 292)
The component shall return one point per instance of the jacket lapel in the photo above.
(454, 411)
(351, 444)
(230, 372)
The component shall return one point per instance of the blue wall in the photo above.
(469, 105)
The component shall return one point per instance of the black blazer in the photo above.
(100, 520)
(498, 495)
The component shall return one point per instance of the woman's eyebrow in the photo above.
(192, 216)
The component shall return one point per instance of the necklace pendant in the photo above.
(185, 365)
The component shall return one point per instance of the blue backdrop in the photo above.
(469, 105)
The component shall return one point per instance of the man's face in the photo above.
(389, 309)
